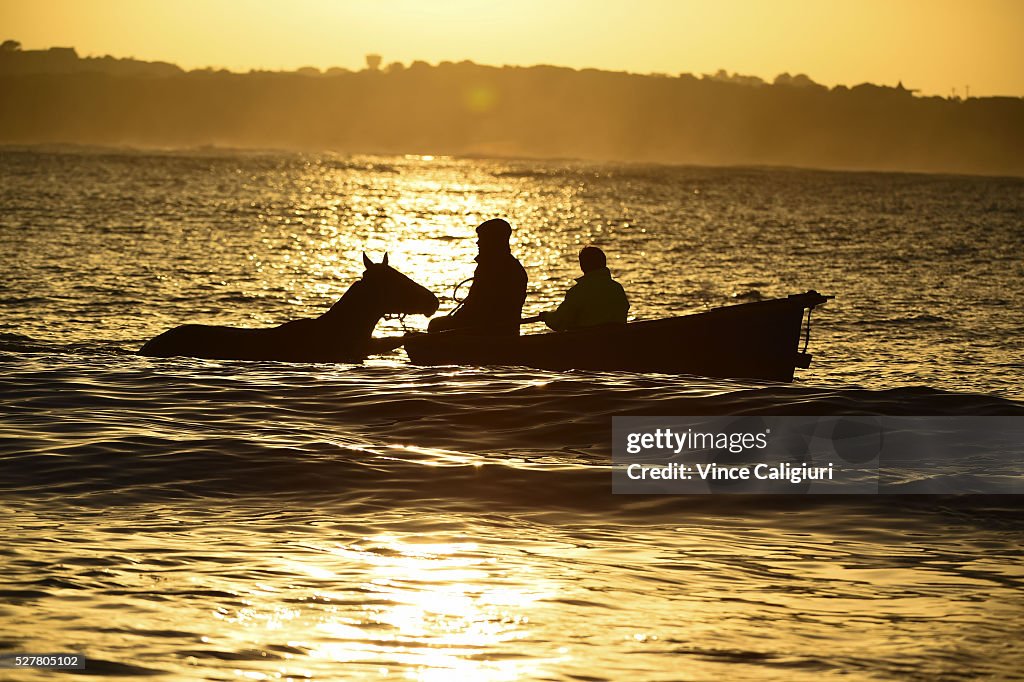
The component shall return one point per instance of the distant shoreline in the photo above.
(223, 152)
(540, 112)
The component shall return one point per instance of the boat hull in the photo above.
(757, 340)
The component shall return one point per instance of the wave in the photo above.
(146, 470)
(12, 345)
(94, 425)
(923, 319)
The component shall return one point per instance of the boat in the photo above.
(758, 340)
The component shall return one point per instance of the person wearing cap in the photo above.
(594, 300)
(494, 304)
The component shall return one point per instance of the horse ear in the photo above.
(385, 261)
(366, 260)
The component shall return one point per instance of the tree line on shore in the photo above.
(541, 111)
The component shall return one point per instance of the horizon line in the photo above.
(729, 76)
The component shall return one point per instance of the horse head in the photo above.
(396, 293)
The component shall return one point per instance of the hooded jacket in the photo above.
(594, 300)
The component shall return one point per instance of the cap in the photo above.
(592, 258)
(494, 228)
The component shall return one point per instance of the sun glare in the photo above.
(429, 608)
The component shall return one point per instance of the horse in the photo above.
(342, 334)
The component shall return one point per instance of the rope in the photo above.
(455, 295)
(807, 329)
(455, 291)
(400, 318)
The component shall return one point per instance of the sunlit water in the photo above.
(223, 520)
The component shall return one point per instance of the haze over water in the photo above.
(110, 249)
(216, 519)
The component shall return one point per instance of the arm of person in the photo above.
(475, 300)
(492, 293)
(624, 304)
(567, 313)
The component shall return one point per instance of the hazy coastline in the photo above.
(468, 110)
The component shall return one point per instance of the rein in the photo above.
(401, 320)
(455, 296)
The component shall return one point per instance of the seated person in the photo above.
(594, 300)
(494, 303)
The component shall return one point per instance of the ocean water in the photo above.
(182, 518)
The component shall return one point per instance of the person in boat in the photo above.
(495, 300)
(596, 299)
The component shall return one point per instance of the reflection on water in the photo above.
(926, 269)
(438, 607)
(192, 519)
(261, 592)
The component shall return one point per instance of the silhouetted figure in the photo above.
(494, 303)
(594, 300)
(342, 334)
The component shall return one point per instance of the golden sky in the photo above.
(933, 45)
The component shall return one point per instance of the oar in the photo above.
(390, 343)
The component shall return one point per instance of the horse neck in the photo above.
(357, 311)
